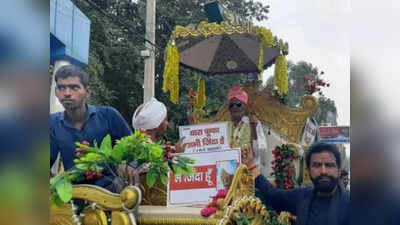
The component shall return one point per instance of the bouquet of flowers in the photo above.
(283, 168)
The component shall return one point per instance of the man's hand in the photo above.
(127, 173)
(253, 126)
(253, 120)
(248, 160)
(247, 156)
(179, 146)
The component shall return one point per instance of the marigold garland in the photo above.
(261, 58)
(201, 94)
(171, 73)
(280, 78)
(266, 42)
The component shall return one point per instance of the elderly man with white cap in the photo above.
(152, 118)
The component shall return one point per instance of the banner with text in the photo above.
(212, 170)
(205, 137)
(309, 133)
(338, 134)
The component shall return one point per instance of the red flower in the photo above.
(172, 149)
(208, 211)
(85, 143)
(79, 151)
(90, 175)
(97, 175)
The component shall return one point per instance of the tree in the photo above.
(298, 76)
(326, 105)
(117, 37)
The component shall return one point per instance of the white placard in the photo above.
(205, 137)
(197, 188)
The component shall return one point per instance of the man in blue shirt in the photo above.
(80, 121)
(326, 203)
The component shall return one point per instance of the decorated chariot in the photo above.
(211, 48)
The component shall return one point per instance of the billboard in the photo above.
(335, 134)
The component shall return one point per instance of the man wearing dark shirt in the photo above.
(324, 204)
(80, 121)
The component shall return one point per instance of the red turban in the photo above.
(238, 93)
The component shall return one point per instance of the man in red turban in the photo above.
(245, 130)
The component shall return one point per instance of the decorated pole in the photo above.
(149, 61)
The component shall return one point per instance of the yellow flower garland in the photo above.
(201, 94)
(171, 73)
(261, 58)
(280, 79)
(266, 41)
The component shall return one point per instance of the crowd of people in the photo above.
(327, 202)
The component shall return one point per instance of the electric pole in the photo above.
(149, 53)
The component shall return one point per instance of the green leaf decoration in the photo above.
(150, 178)
(64, 191)
(106, 145)
(164, 179)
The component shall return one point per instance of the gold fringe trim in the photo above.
(176, 221)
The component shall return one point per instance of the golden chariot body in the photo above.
(105, 207)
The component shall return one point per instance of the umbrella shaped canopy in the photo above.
(224, 54)
(224, 48)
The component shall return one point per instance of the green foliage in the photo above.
(136, 147)
(115, 64)
(325, 105)
(296, 71)
(242, 219)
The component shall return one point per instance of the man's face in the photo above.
(226, 179)
(324, 171)
(162, 129)
(345, 181)
(71, 92)
(237, 109)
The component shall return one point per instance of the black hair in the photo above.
(73, 71)
(323, 147)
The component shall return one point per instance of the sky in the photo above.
(317, 32)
